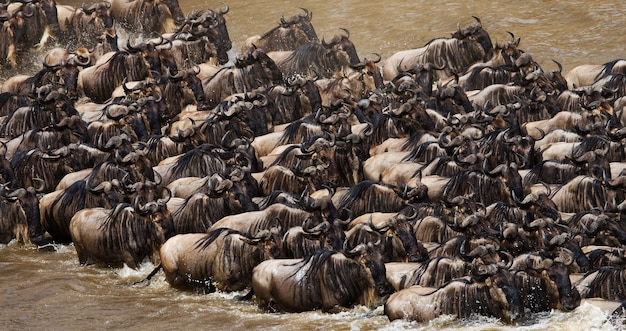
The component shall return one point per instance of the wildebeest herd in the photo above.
(458, 178)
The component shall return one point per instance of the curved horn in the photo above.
(347, 32)
(219, 11)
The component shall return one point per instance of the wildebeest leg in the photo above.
(247, 297)
(264, 304)
(149, 277)
(80, 251)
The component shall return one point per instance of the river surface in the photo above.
(49, 290)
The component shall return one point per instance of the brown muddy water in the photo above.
(49, 290)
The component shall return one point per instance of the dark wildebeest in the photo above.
(371, 196)
(100, 80)
(88, 24)
(491, 292)
(605, 282)
(544, 284)
(290, 34)
(40, 22)
(466, 47)
(326, 280)
(12, 27)
(122, 235)
(254, 70)
(147, 17)
(220, 198)
(20, 216)
(432, 273)
(57, 208)
(222, 259)
(321, 59)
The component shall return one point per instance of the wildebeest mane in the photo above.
(29, 164)
(109, 170)
(458, 54)
(314, 58)
(614, 82)
(286, 158)
(413, 140)
(198, 162)
(437, 271)
(366, 197)
(281, 177)
(443, 166)
(598, 286)
(25, 118)
(199, 212)
(77, 197)
(160, 147)
(506, 212)
(207, 240)
(387, 126)
(483, 76)
(471, 181)
(123, 228)
(551, 172)
(300, 131)
(10, 101)
(590, 193)
(608, 68)
(615, 152)
(337, 273)
(536, 291)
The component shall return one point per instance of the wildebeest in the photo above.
(202, 39)
(200, 210)
(604, 282)
(100, 80)
(57, 208)
(253, 70)
(434, 272)
(290, 34)
(466, 47)
(222, 259)
(321, 59)
(371, 196)
(587, 74)
(86, 25)
(20, 217)
(326, 280)
(11, 29)
(148, 17)
(40, 22)
(491, 293)
(545, 284)
(122, 235)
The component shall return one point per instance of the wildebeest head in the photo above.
(476, 33)
(25, 209)
(344, 49)
(399, 239)
(269, 241)
(100, 11)
(370, 257)
(501, 283)
(299, 24)
(569, 296)
(510, 176)
(49, 7)
(157, 212)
